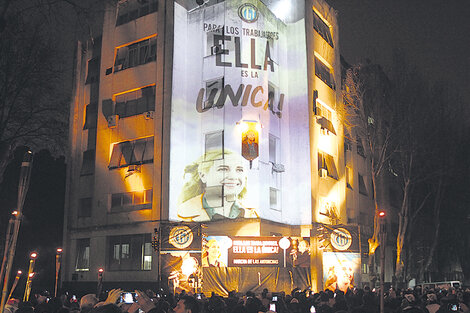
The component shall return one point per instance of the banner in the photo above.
(223, 251)
(181, 270)
(180, 236)
(340, 270)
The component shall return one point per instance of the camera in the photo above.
(274, 298)
(128, 297)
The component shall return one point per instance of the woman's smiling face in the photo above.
(228, 172)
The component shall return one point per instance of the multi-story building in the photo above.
(214, 112)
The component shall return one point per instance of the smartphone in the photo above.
(199, 296)
(274, 298)
(312, 309)
(454, 307)
(272, 307)
(128, 297)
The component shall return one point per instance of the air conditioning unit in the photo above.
(277, 168)
(112, 121)
(148, 115)
(217, 49)
(322, 173)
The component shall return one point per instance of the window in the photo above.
(134, 152)
(135, 102)
(215, 42)
(91, 116)
(135, 54)
(88, 164)
(93, 71)
(213, 90)
(322, 28)
(327, 162)
(349, 177)
(84, 207)
(362, 185)
(82, 263)
(274, 198)
(130, 253)
(360, 148)
(214, 142)
(130, 10)
(323, 72)
(347, 144)
(273, 149)
(119, 200)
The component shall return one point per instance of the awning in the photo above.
(326, 124)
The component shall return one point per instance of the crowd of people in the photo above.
(354, 300)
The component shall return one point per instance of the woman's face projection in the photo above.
(229, 173)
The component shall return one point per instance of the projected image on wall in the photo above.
(214, 251)
(215, 188)
(239, 145)
(339, 270)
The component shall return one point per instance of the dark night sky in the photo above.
(434, 35)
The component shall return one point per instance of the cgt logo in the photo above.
(341, 239)
(248, 13)
(181, 237)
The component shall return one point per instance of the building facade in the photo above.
(222, 113)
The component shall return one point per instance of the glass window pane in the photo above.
(115, 156)
(139, 148)
(83, 255)
(127, 198)
(148, 195)
(214, 141)
(148, 153)
(125, 251)
(116, 252)
(138, 197)
(127, 150)
(331, 167)
(324, 73)
(116, 200)
(272, 149)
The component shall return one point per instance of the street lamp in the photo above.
(382, 234)
(32, 261)
(100, 281)
(17, 278)
(8, 235)
(58, 258)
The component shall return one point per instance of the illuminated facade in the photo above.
(222, 113)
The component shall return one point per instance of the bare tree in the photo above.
(32, 105)
(36, 60)
(368, 111)
(426, 142)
